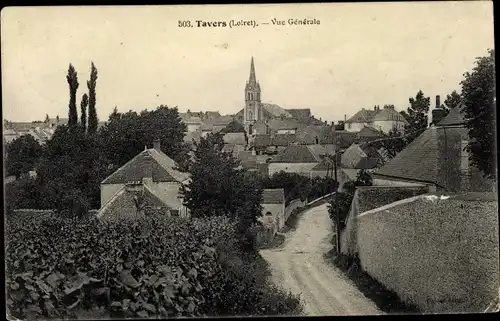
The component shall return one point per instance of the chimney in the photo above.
(157, 145)
(438, 101)
(437, 115)
(345, 118)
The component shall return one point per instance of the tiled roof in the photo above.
(235, 138)
(275, 110)
(296, 154)
(308, 134)
(283, 139)
(344, 139)
(360, 157)
(370, 132)
(351, 173)
(454, 117)
(122, 204)
(262, 141)
(368, 116)
(418, 161)
(246, 155)
(209, 124)
(273, 196)
(300, 113)
(148, 163)
(362, 116)
(277, 124)
(326, 164)
(389, 114)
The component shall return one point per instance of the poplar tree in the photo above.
(91, 84)
(72, 79)
(83, 107)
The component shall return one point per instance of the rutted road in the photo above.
(298, 265)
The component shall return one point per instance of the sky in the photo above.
(360, 55)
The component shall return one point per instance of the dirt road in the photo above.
(298, 265)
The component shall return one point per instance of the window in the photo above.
(464, 159)
(349, 125)
(269, 213)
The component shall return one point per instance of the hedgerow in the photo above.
(154, 267)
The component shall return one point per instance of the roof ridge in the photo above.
(121, 167)
(108, 202)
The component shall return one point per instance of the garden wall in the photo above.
(438, 254)
(370, 197)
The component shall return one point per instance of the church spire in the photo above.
(252, 73)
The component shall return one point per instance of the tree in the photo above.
(217, 186)
(416, 116)
(83, 107)
(23, 155)
(72, 79)
(72, 167)
(393, 144)
(47, 119)
(479, 107)
(452, 100)
(126, 134)
(91, 84)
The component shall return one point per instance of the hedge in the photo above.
(156, 267)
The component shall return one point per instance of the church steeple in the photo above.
(252, 78)
(253, 110)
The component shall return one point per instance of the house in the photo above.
(299, 159)
(283, 126)
(313, 134)
(382, 119)
(271, 144)
(368, 133)
(361, 156)
(344, 139)
(150, 172)
(437, 158)
(215, 125)
(273, 209)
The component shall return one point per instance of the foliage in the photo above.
(72, 79)
(478, 92)
(126, 134)
(83, 111)
(393, 144)
(297, 186)
(158, 267)
(340, 203)
(72, 162)
(22, 155)
(453, 100)
(23, 193)
(91, 84)
(364, 178)
(417, 116)
(217, 186)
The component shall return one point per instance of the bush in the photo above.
(300, 187)
(155, 267)
(339, 207)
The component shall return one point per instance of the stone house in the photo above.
(300, 159)
(382, 119)
(437, 157)
(361, 156)
(273, 209)
(151, 173)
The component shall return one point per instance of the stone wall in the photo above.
(370, 197)
(440, 254)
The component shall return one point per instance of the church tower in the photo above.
(253, 110)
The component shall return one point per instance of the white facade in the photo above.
(285, 131)
(299, 168)
(383, 125)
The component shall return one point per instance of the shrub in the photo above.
(339, 207)
(156, 267)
